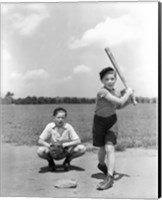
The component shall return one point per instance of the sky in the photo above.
(57, 49)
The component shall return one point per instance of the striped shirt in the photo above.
(104, 108)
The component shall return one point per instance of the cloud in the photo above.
(6, 55)
(26, 19)
(112, 31)
(135, 23)
(81, 69)
(8, 63)
(63, 79)
(6, 8)
(32, 75)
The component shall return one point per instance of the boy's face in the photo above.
(59, 118)
(109, 80)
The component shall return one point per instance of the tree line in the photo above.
(9, 99)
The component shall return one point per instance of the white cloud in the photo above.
(112, 31)
(32, 82)
(122, 68)
(32, 75)
(36, 7)
(7, 64)
(136, 23)
(6, 8)
(81, 69)
(64, 79)
(5, 56)
(27, 18)
(16, 75)
(148, 51)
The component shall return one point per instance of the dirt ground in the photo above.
(23, 174)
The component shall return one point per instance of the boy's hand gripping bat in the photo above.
(113, 61)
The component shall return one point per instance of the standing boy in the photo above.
(105, 124)
(62, 133)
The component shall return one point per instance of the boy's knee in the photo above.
(41, 151)
(109, 148)
(102, 149)
(80, 148)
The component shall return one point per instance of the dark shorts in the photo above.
(105, 130)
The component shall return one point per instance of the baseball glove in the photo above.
(57, 152)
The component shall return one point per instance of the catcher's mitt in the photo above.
(57, 151)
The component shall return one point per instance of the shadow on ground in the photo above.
(59, 168)
(117, 176)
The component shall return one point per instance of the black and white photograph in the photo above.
(79, 99)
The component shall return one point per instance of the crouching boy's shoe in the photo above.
(51, 166)
(66, 165)
(51, 163)
(106, 184)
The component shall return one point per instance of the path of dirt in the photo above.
(23, 174)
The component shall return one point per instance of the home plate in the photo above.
(66, 183)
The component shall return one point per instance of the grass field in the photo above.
(23, 124)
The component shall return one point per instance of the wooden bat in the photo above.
(113, 61)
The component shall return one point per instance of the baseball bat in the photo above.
(115, 64)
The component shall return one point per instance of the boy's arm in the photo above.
(45, 135)
(119, 100)
(71, 143)
(73, 138)
(118, 106)
(43, 143)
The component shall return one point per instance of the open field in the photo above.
(136, 169)
(23, 124)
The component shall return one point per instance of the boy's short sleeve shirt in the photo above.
(51, 133)
(102, 93)
(104, 108)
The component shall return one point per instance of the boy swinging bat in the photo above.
(105, 130)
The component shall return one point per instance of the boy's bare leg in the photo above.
(77, 152)
(110, 153)
(101, 158)
(101, 155)
(43, 152)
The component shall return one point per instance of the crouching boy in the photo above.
(62, 133)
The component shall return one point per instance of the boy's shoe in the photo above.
(103, 168)
(51, 166)
(51, 163)
(66, 165)
(106, 184)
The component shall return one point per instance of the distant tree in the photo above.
(41, 100)
(19, 101)
(67, 100)
(8, 99)
(154, 100)
(34, 100)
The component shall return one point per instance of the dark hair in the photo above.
(55, 112)
(107, 70)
